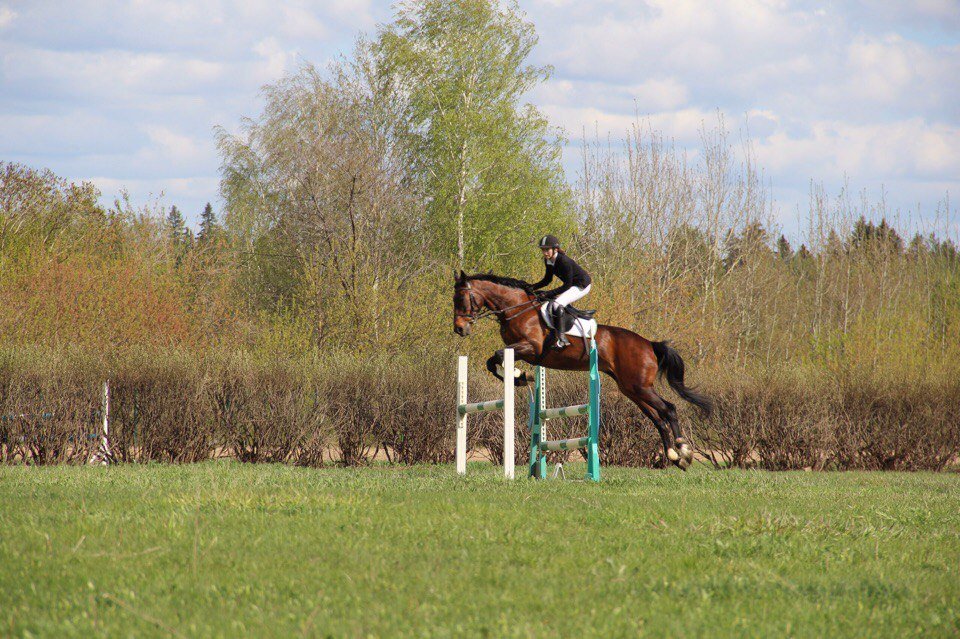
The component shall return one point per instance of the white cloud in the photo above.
(7, 16)
(301, 22)
(651, 95)
(274, 59)
(123, 75)
(174, 146)
(574, 120)
(896, 150)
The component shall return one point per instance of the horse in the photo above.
(632, 361)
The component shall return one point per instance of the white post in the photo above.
(461, 417)
(508, 428)
(105, 436)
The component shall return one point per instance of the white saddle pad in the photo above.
(581, 327)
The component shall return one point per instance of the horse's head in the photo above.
(465, 305)
(483, 295)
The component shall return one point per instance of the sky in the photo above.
(127, 94)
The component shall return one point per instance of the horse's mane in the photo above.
(503, 281)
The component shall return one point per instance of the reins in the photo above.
(489, 312)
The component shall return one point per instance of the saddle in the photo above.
(580, 314)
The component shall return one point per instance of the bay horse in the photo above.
(632, 361)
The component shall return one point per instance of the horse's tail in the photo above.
(670, 364)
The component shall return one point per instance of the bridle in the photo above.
(472, 315)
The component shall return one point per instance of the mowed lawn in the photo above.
(225, 549)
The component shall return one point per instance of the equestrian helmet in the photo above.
(549, 241)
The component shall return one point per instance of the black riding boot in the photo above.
(560, 327)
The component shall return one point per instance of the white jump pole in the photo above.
(508, 427)
(506, 405)
(461, 415)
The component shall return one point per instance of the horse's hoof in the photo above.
(672, 455)
(686, 452)
(683, 464)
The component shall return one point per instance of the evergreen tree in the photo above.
(175, 226)
(750, 242)
(946, 250)
(834, 244)
(918, 246)
(862, 234)
(888, 237)
(870, 235)
(181, 238)
(208, 225)
(784, 250)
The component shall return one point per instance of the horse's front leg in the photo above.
(521, 350)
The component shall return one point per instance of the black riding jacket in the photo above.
(567, 271)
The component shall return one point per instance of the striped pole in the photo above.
(539, 414)
(566, 411)
(565, 444)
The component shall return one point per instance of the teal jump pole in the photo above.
(539, 414)
(593, 433)
(538, 461)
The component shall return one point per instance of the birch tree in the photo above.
(487, 165)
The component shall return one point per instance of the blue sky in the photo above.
(126, 94)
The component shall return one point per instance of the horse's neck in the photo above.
(500, 297)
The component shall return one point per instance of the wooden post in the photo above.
(105, 455)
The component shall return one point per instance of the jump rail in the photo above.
(539, 414)
(506, 405)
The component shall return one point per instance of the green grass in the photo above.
(224, 549)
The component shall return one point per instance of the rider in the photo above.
(576, 284)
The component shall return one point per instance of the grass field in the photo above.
(224, 549)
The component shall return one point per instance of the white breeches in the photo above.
(571, 295)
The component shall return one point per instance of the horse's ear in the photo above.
(463, 276)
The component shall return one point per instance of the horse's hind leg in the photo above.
(651, 410)
(681, 455)
(662, 429)
(670, 415)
